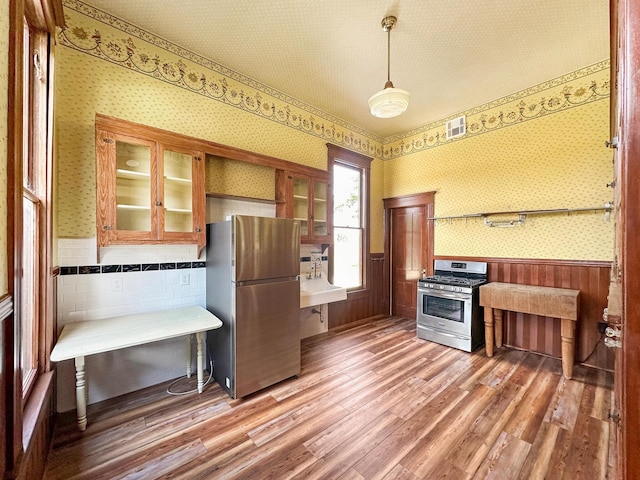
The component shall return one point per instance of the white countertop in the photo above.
(103, 335)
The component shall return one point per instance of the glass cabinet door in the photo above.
(134, 180)
(150, 187)
(320, 226)
(178, 192)
(301, 203)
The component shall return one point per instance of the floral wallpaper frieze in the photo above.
(572, 90)
(147, 54)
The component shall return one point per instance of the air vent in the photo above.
(456, 127)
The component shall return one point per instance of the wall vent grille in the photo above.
(456, 127)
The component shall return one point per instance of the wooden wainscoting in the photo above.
(542, 334)
(365, 303)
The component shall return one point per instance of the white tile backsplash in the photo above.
(90, 297)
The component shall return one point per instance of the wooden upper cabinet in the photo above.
(150, 186)
(307, 199)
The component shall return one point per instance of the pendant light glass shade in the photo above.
(390, 101)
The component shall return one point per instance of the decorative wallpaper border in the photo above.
(212, 80)
(187, 72)
(556, 95)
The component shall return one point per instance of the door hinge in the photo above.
(108, 140)
(612, 144)
(614, 417)
(107, 227)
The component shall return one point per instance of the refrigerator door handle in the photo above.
(244, 283)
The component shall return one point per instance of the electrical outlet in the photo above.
(184, 278)
(116, 284)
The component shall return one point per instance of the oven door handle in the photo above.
(450, 296)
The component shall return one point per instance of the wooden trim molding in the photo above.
(530, 261)
(126, 127)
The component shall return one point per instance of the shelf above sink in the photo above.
(316, 291)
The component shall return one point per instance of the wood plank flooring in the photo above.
(372, 402)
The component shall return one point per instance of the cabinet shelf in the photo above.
(124, 206)
(178, 210)
(178, 180)
(122, 173)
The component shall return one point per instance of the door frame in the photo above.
(425, 199)
(628, 16)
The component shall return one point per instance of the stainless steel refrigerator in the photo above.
(252, 279)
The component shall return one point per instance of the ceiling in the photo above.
(451, 55)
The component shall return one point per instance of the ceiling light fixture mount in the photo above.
(389, 102)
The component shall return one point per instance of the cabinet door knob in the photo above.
(158, 204)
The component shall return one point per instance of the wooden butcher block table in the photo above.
(561, 303)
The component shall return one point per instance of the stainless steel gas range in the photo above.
(448, 308)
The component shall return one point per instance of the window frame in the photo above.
(31, 23)
(357, 161)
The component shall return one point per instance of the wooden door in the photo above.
(625, 15)
(409, 246)
(408, 232)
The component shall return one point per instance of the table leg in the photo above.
(567, 333)
(81, 398)
(189, 338)
(488, 330)
(497, 314)
(200, 341)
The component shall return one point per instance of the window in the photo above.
(350, 177)
(348, 226)
(35, 307)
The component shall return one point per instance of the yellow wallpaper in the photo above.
(557, 160)
(233, 177)
(4, 86)
(114, 80)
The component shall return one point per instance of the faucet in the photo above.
(317, 263)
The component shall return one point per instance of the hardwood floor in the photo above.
(372, 401)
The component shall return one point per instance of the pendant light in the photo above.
(391, 101)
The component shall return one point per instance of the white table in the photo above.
(80, 339)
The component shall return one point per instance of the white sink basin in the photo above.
(316, 291)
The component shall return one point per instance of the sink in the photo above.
(316, 291)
